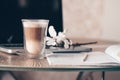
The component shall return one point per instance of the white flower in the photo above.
(50, 41)
(57, 40)
(52, 32)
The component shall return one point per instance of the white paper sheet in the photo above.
(77, 59)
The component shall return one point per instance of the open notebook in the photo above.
(110, 56)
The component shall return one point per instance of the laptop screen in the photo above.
(12, 11)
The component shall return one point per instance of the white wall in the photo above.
(92, 18)
(82, 18)
(111, 20)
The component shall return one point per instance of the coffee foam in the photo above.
(35, 24)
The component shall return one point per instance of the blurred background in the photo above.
(80, 18)
(92, 18)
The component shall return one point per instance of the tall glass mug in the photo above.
(35, 31)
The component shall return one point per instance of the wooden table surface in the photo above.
(21, 63)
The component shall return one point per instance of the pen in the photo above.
(87, 43)
(85, 57)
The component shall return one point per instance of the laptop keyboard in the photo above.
(11, 45)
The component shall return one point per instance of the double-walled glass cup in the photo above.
(35, 31)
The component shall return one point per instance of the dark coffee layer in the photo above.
(34, 33)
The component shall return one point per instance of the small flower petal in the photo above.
(52, 32)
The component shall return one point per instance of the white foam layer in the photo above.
(35, 23)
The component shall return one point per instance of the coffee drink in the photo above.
(34, 37)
